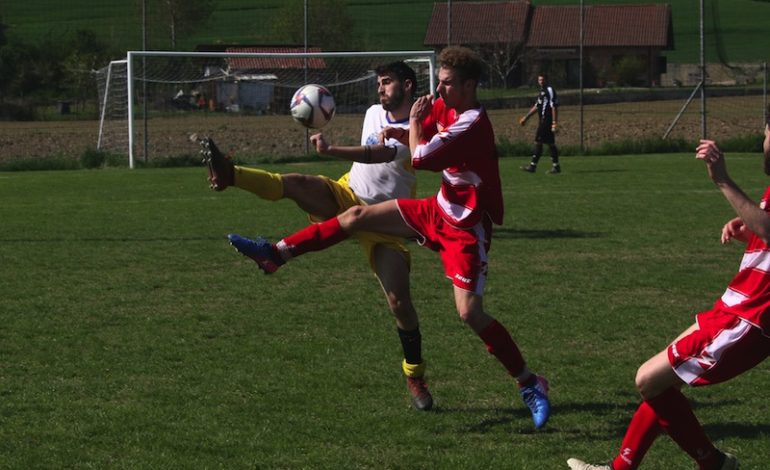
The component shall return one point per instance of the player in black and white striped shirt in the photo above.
(546, 108)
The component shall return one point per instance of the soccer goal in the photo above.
(152, 101)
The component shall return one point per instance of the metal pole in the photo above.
(144, 77)
(764, 97)
(307, 131)
(130, 114)
(702, 75)
(681, 111)
(448, 22)
(582, 147)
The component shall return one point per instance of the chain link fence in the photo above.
(671, 107)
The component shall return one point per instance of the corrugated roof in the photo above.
(605, 25)
(273, 63)
(479, 23)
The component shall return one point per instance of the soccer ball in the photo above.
(312, 106)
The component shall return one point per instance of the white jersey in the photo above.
(377, 182)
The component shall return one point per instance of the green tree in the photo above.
(3, 40)
(31, 71)
(329, 24)
(177, 18)
(86, 53)
(630, 70)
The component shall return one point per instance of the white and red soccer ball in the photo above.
(312, 106)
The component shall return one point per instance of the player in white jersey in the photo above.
(377, 182)
(381, 170)
(729, 339)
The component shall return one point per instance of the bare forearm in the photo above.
(755, 219)
(415, 134)
(363, 153)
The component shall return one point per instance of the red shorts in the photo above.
(463, 251)
(724, 346)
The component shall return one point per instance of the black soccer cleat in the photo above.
(221, 168)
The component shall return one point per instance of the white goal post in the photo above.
(178, 93)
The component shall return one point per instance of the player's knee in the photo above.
(402, 309)
(293, 183)
(395, 304)
(297, 179)
(641, 381)
(350, 219)
(646, 383)
(466, 315)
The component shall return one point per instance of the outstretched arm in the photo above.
(754, 218)
(378, 153)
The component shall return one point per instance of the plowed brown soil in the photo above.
(251, 137)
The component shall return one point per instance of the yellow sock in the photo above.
(413, 370)
(260, 182)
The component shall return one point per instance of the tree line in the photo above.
(59, 67)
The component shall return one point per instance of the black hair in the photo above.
(402, 71)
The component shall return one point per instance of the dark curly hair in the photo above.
(401, 71)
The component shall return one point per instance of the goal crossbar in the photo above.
(428, 55)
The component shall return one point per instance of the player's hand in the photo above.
(398, 133)
(523, 120)
(708, 151)
(320, 144)
(735, 229)
(421, 107)
(554, 128)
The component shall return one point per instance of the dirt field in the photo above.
(250, 137)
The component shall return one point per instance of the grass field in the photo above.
(741, 24)
(133, 336)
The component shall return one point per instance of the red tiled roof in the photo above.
(604, 25)
(273, 63)
(479, 23)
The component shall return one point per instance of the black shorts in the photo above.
(544, 133)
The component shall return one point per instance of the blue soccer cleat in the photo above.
(260, 250)
(536, 398)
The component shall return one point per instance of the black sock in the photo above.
(411, 342)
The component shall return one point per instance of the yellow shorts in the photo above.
(345, 200)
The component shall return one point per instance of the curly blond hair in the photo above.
(466, 62)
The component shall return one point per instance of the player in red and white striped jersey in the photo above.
(729, 339)
(454, 136)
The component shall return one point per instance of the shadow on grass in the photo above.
(605, 420)
(717, 431)
(535, 233)
(112, 239)
(603, 170)
(521, 418)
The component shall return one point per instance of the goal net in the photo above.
(239, 97)
(112, 85)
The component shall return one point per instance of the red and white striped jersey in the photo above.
(463, 148)
(748, 294)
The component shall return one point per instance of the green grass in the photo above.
(133, 336)
(393, 25)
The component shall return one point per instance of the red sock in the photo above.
(640, 435)
(675, 416)
(500, 344)
(315, 237)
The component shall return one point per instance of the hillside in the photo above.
(378, 24)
